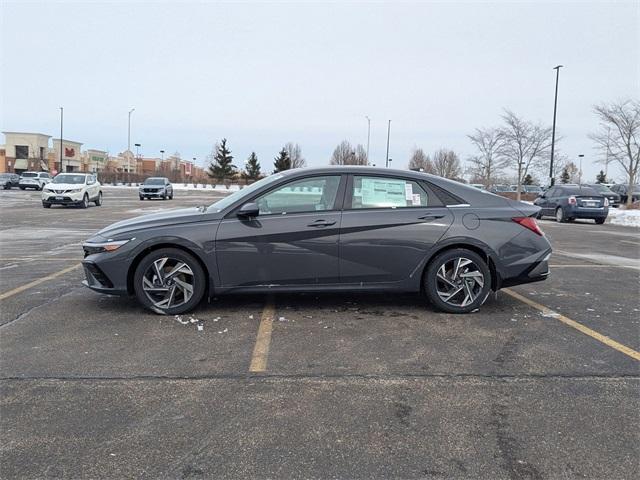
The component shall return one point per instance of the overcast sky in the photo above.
(262, 74)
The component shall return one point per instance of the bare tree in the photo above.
(488, 164)
(420, 161)
(619, 137)
(523, 145)
(295, 155)
(446, 163)
(345, 154)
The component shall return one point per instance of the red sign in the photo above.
(69, 152)
(187, 169)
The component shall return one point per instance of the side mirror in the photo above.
(249, 210)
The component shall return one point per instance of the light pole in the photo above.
(368, 135)
(581, 156)
(61, 119)
(137, 155)
(129, 143)
(388, 137)
(162, 155)
(553, 131)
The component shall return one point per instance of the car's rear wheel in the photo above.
(560, 216)
(169, 281)
(600, 221)
(22, 188)
(98, 201)
(457, 281)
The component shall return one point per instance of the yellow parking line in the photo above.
(578, 326)
(11, 293)
(263, 340)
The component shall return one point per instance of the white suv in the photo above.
(72, 189)
(35, 180)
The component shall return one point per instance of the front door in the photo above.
(293, 240)
(388, 226)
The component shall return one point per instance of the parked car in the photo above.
(623, 191)
(9, 180)
(156, 187)
(501, 189)
(566, 203)
(479, 186)
(72, 189)
(35, 180)
(325, 229)
(613, 197)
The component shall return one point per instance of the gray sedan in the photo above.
(327, 229)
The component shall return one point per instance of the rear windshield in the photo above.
(154, 181)
(579, 191)
(29, 174)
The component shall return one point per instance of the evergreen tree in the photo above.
(220, 166)
(565, 176)
(601, 177)
(252, 168)
(282, 162)
(528, 180)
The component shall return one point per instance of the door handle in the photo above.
(431, 216)
(321, 223)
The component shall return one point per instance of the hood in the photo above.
(161, 219)
(65, 186)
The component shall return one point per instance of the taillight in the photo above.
(530, 223)
(572, 200)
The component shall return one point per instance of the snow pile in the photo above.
(628, 218)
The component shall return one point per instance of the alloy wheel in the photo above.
(168, 283)
(459, 282)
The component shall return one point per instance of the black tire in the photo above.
(199, 280)
(539, 215)
(141, 198)
(98, 201)
(85, 201)
(46, 205)
(171, 196)
(431, 280)
(164, 195)
(22, 188)
(600, 221)
(560, 216)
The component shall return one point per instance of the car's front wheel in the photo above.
(600, 221)
(85, 201)
(457, 281)
(169, 281)
(98, 201)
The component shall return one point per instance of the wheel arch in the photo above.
(157, 246)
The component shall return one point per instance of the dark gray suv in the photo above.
(326, 229)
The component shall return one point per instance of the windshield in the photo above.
(235, 196)
(65, 178)
(154, 181)
(29, 174)
(579, 191)
(601, 188)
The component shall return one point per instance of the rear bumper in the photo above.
(536, 271)
(587, 212)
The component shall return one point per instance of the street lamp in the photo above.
(61, 118)
(388, 137)
(368, 135)
(553, 131)
(129, 142)
(581, 156)
(162, 154)
(137, 145)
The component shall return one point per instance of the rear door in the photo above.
(292, 242)
(388, 226)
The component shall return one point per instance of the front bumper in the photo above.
(53, 198)
(98, 281)
(157, 194)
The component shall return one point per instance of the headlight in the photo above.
(47, 189)
(108, 246)
(75, 190)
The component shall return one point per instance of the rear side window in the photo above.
(387, 192)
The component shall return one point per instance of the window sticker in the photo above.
(378, 192)
(415, 200)
(408, 191)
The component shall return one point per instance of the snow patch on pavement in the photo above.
(628, 218)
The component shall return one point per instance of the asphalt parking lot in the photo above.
(542, 382)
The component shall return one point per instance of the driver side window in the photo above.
(314, 194)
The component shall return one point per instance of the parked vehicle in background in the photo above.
(537, 189)
(72, 189)
(613, 197)
(479, 186)
(9, 180)
(566, 203)
(325, 229)
(501, 189)
(623, 191)
(35, 180)
(156, 187)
